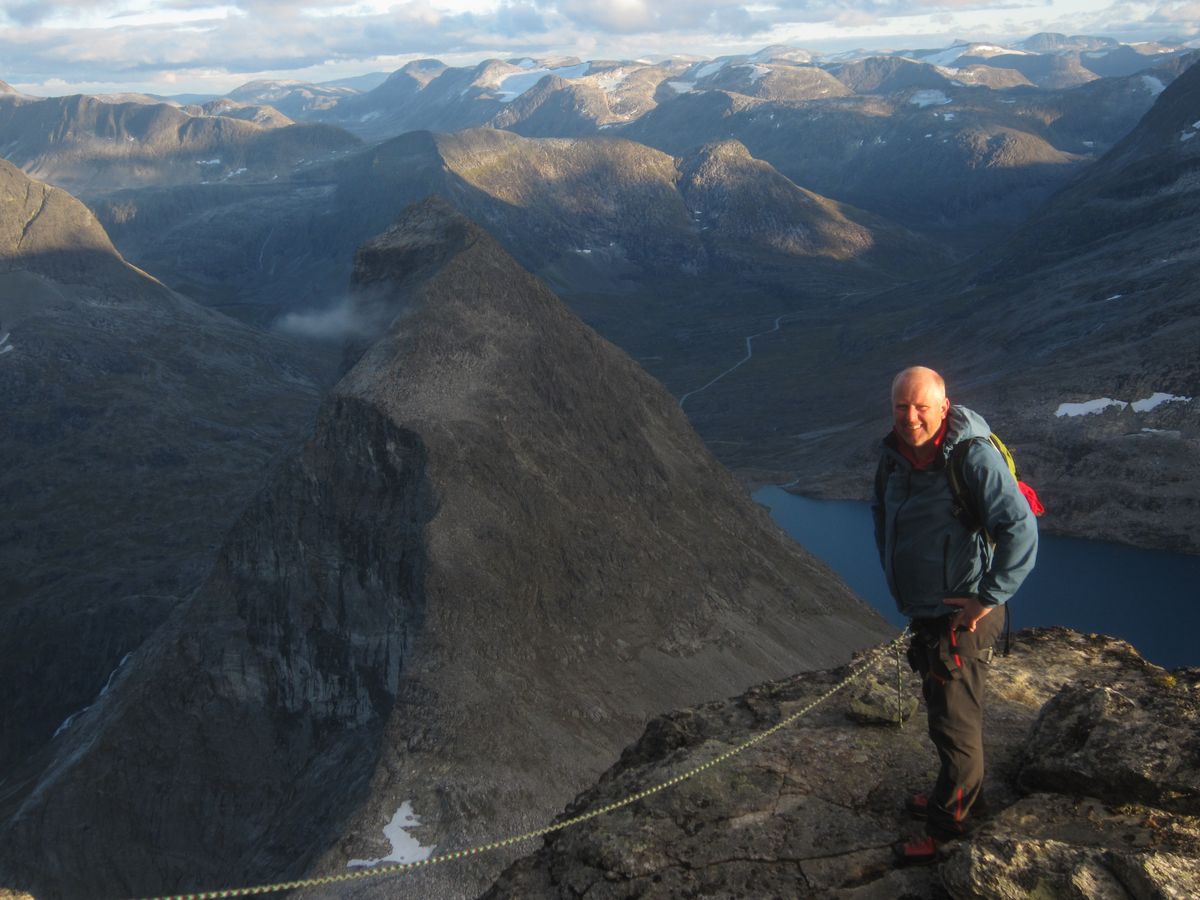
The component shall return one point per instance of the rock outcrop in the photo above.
(501, 552)
(1092, 791)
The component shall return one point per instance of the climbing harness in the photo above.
(404, 868)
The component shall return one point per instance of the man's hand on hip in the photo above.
(970, 611)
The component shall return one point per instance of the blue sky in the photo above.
(173, 46)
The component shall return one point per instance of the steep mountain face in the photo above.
(502, 549)
(136, 422)
(90, 147)
(1089, 787)
(745, 207)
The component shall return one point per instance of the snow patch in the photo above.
(1091, 407)
(682, 87)
(69, 720)
(929, 98)
(711, 69)
(367, 117)
(945, 57)
(1153, 85)
(405, 847)
(1186, 136)
(952, 54)
(1157, 399)
(208, 162)
(610, 81)
(1088, 407)
(757, 73)
(512, 86)
(5, 346)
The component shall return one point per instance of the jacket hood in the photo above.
(964, 424)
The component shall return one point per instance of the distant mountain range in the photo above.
(90, 145)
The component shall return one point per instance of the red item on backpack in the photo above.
(1031, 496)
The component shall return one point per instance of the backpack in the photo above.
(966, 512)
(964, 505)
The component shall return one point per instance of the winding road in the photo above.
(745, 359)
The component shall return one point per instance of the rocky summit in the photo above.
(1093, 791)
(500, 553)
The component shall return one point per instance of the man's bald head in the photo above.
(919, 376)
(919, 406)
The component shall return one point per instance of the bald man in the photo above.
(948, 568)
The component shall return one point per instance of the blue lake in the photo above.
(1147, 597)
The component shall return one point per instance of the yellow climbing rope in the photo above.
(403, 868)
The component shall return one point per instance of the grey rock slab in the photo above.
(1135, 739)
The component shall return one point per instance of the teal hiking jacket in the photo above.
(926, 552)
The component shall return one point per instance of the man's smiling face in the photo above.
(919, 406)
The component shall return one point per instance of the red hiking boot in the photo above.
(919, 852)
(917, 806)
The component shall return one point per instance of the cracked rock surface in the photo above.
(1087, 796)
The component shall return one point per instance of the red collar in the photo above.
(908, 453)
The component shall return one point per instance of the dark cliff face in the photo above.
(1092, 791)
(248, 728)
(501, 551)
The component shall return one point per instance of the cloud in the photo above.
(340, 322)
(1179, 13)
(32, 12)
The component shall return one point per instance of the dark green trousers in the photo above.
(953, 668)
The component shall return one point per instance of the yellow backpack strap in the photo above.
(1008, 457)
